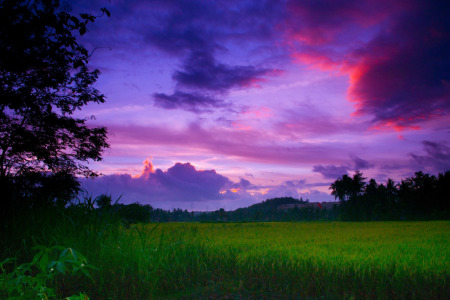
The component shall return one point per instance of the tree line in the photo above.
(420, 197)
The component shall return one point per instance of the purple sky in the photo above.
(215, 104)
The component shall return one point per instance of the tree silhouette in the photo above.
(421, 197)
(340, 187)
(346, 188)
(44, 79)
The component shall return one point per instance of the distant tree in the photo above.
(44, 79)
(443, 192)
(421, 197)
(349, 191)
(358, 184)
(134, 212)
(425, 196)
(346, 188)
(222, 214)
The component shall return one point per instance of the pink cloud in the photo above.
(393, 52)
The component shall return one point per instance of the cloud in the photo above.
(197, 33)
(394, 53)
(201, 71)
(287, 188)
(184, 186)
(202, 74)
(243, 184)
(280, 192)
(184, 26)
(306, 120)
(181, 27)
(180, 183)
(334, 171)
(259, 146)
(296, 183)
(320, 22)
(291, 188)
(360, 164)
(437, 157)
(331, 171)
(193, 102)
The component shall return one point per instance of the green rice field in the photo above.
(311, 260)
(378, 260)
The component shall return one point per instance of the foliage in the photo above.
(420, 197)
(134, 213)
(31, 280)
(44, 80)
(104, 202)
(43, 189)
(347, 188)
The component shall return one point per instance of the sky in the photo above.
(223, 104)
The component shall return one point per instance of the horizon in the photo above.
(225, 104)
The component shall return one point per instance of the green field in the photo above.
(316, 260)
(319, 260)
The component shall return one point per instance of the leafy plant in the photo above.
(33, 280)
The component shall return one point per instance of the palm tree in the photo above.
(346, 188)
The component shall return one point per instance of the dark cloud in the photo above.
(201, 71)
(334, 172)
(184, 26)
(320, 22)
(195, 31)
(405, 71)
(181, 26)
(437, 157)
(360, 164)
(331, 171)
(396, 53)
(244, 184)
(194, 102)
(191, 183)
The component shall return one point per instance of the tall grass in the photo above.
(389, 260)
